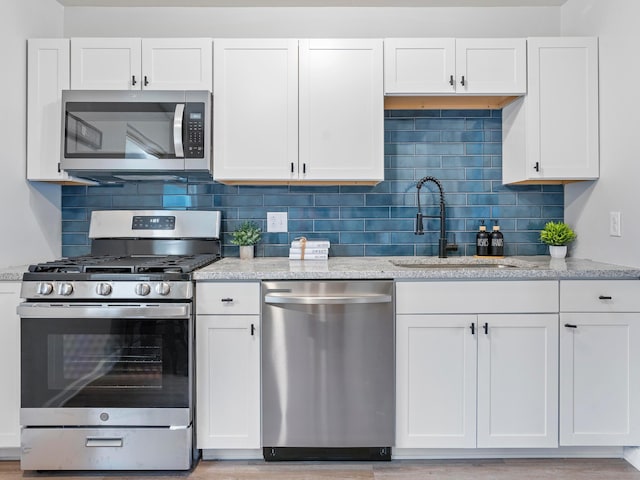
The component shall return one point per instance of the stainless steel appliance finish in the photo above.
(107, 346)
(327, 366)
(107, 449)
(130, 135)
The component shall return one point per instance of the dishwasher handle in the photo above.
(278, 299)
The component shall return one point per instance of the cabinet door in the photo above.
(105, 64)
(518, 381)
(228, 381)
(436, 381)
(10, 361)
(341, 110)
(176, 64)
(552, 132)
(419, 65)
(491, 66)
(599, 378)
(48, 75)
(255, 127)
(563, 104)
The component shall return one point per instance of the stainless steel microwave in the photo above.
(131, 135)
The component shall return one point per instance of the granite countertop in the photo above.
(462, 268)
(12, 274)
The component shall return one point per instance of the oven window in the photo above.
(105, 363)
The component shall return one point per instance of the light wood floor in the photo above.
(556, 469)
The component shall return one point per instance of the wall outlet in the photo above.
(277, 222)
(615, 228)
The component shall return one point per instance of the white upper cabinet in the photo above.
(134, 64)
(445, 66)
(419, 65)
(255, 123)
(105, 64)
(48, 75)
(341, 110)
(552, 133)
(298, 111)
(176, 64)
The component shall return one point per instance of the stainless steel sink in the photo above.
(461, 263)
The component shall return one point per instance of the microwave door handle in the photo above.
(177, 130)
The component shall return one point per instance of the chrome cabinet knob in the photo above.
(163, 288)
(143, 289)
(65, 289)
(44, 288)
(103, 289)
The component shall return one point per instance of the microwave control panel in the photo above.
(194, 132)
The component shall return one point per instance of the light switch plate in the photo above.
(615, 229)
(277, 222)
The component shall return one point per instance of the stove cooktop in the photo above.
(130, 264)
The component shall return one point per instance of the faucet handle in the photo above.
(419, 224)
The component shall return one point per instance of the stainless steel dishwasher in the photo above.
(328, 382)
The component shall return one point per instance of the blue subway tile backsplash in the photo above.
(462, 148)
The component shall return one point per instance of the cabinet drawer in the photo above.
(600, 296)
(228, 298)
(477, 297)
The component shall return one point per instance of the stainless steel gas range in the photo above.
(107, 345)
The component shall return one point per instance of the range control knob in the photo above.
(163, 288)
(65, 289)
(143, 289)
(103, 289)
(44, 288)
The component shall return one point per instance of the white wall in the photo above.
(311, 22)
(587, 205)
(30, 214)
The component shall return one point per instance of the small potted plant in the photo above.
(246, 236)
(557, 235)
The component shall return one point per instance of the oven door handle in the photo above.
(105, 310)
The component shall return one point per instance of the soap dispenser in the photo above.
(482, 241)
(496, 241)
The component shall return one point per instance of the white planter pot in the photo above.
(558, 251)
(246, 252)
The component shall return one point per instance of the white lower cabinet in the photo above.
(228, 366)
(518, 381)
(10, 361)
(600, 362)
(467, 380)
(436, 357)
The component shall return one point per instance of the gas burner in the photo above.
(126, 264)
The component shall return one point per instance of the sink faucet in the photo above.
(442, 242)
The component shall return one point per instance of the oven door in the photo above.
(106, 364)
